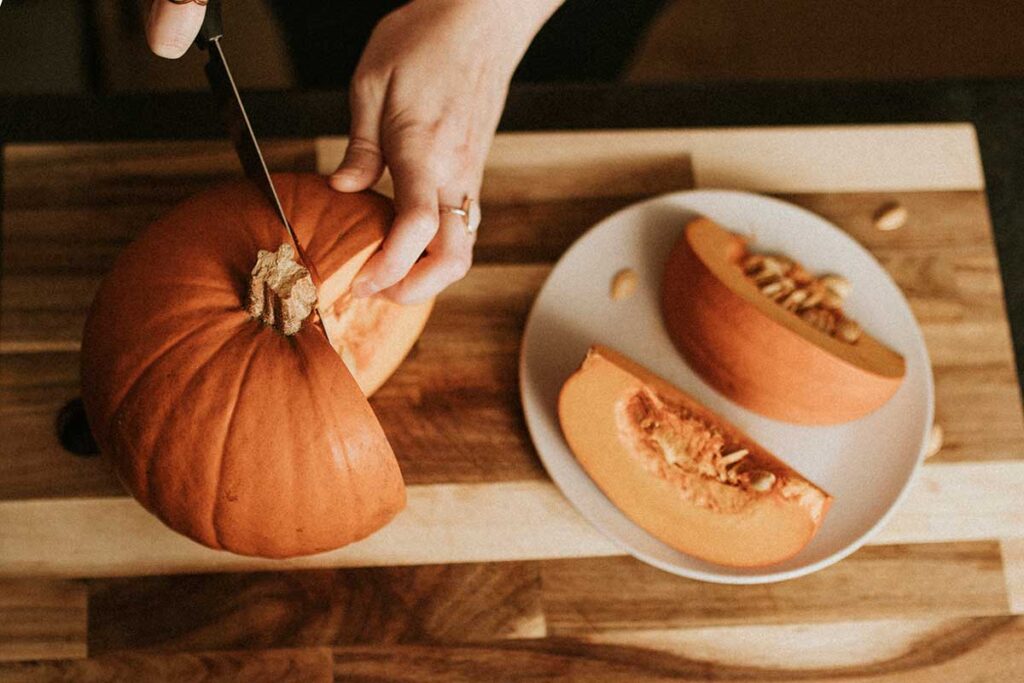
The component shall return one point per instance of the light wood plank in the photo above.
(42, 619)
(921, 580)
(98, 537)
(264, 610)
(959, 501)
(793, 647)
(764, 159)
(454, 523)
(308, 665)
(1013, 568)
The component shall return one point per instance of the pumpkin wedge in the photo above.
(224, 409)
(756, 352)
(681, 472)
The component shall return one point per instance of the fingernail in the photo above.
(345, 177)
(363, 288)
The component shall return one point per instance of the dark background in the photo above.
(97, 46)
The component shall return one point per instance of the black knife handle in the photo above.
(212, 27)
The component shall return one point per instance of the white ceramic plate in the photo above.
(867, 465)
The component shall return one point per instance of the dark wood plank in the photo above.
(33, 388)
(451, 411)
(980, 649)
(461, 602)
(986, 649)
(42, 619)
(310, 665)
(620, 593)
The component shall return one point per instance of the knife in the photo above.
(236, 120)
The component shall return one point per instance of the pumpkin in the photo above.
(756, 352)
(217, 397)
(680, 471)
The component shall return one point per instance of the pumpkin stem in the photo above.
(281, 291)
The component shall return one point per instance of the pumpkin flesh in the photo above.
(651, 449)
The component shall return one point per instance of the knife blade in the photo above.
(239, 128)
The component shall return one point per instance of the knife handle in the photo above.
(212, 27)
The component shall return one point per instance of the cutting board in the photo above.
(488, 550)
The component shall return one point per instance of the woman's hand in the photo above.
(426, 99)
(171, 28)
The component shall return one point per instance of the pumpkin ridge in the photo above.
(152, 460)
(232, 412)
(167, 347)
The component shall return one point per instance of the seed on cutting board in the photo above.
(623, 284)
(891, 216)
(934, 441)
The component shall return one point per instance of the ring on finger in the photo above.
(468, 211)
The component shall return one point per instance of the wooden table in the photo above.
(490, 573)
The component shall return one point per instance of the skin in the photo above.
(425, 101)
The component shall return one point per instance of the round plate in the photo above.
(866, 464)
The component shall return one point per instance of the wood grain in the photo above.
(310, 665)
(987, 649)
(980, 649)
(433, 603)
(42, 619)
(956, 579)
(1013, 569)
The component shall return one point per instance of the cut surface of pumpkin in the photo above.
(758, 353)
(681, 472)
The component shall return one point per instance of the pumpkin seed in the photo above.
(761, 480)
(849, 331)
(623, 284)
(934, 441)
(891, 216)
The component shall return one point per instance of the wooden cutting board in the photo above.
(947, 569)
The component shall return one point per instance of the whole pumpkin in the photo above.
(206, 381)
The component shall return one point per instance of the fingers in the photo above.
(448, 259)
(416, 223)
(172, 28)
(363, 163)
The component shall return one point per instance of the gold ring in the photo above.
(469, 212)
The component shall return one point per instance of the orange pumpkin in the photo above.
(755, 352)
(232, 432)
(682, 472)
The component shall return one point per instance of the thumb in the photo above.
(172, 27)
(363, 163)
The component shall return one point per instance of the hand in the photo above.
(172, 28)
(426, 99)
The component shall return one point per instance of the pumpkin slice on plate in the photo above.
(681, 472)
(221, 404)
(806, 365)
